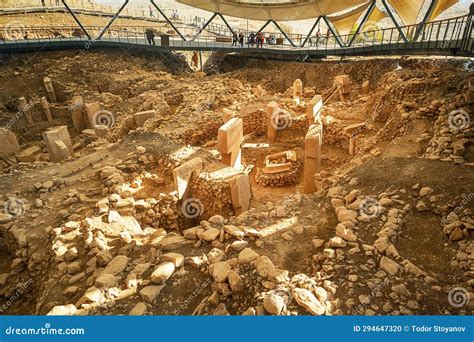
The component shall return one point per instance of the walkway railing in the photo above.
(449, 36)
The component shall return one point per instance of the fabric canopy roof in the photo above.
(408, 10)
(373, 19)
(440, 7)
(346, 21)
(282, 10)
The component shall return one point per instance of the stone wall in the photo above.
(280, 179)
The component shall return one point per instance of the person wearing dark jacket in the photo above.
(150, 36)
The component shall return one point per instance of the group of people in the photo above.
(253, 39)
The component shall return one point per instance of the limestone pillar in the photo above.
(92, 109)
(25, 108)
(313, 111)
(272, 109)
(58, 143)
(297, 89)
(76, 109)
(142, 117)
(48, 84)
(312, 154)
(182, 174)
(352, 141)
(47, 111)
(229, 139)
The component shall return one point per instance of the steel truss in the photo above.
(279, 29)
(387, 7)
(209, 21)
(167, 20)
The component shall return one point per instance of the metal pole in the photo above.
(204, 26)
(336, 35)
(384, 2)
(76, 19)
(311, 31)
(226, 23)
(425, 19)
(264, 26)
(286, 36)
(167, 20)
(112, 21)
(362, 23)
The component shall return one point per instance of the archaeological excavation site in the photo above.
(142, 180)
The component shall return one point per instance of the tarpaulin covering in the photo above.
(280, 10)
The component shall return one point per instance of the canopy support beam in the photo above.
(311, 31)
(279, 29)
(404, 37)
(427, 16)
(167, 20)
(334, 33)
(76, 19)
(112, 20)
(363, 21)
(202, 28)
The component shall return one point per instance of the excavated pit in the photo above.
(100, 228)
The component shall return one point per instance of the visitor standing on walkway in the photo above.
(235, 39)
(150, 36)
(241, 39)
(260, 39)
(151, 12)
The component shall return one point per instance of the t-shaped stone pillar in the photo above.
(297, 89)
(48, 84)
(344, 84)
(77, 113)
(312, 157)
(272, 111)
(229, 139)
(92, 110)
(58, 143)
(182, 174)
(47, 111)
(313, 111)
(352, 131)
(24, 107)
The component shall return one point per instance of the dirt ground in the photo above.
(407, 161)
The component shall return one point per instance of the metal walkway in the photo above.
(450, 37)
